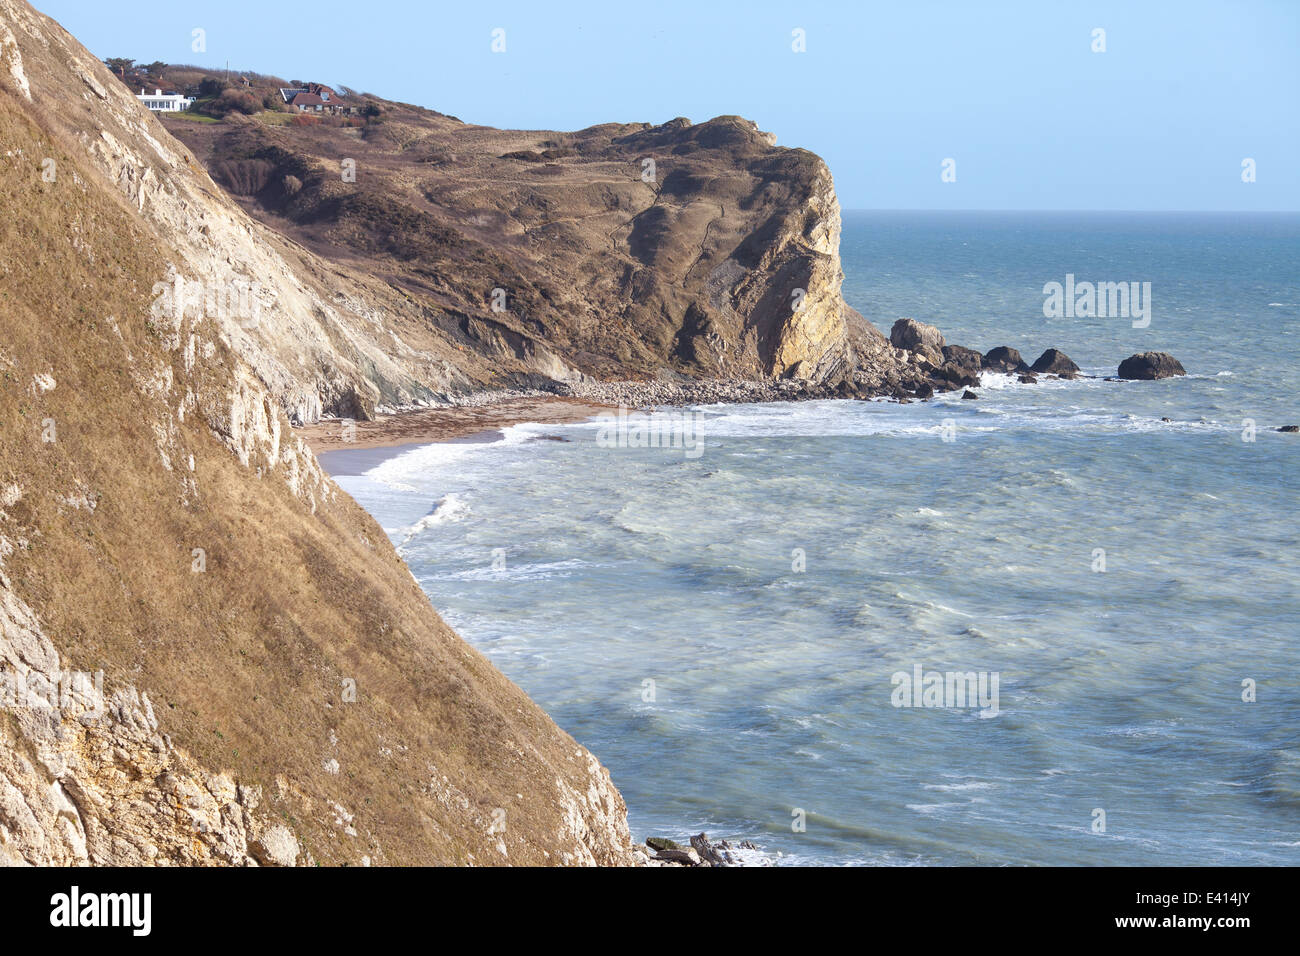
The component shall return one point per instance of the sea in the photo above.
(1059, 624)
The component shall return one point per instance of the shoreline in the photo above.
(390, 435)
(386, 436)
(486, 411)
(352, 447)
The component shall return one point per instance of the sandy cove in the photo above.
(448, 423)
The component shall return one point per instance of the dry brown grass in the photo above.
(611, 273)
(245, 661)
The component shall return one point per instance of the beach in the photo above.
(348, 448)
(1101, 554)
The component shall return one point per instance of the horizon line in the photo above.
(1190, 212)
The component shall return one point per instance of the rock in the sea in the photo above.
(1055, 362)
(962, 357)
(1290, 428)
(914, 336)
(1004, 359)
(1028, 379)
(1150, 365)
(707, 851)
(949, 376)
(968, 395)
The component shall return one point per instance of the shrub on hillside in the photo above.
(244, 177)
(242, 101)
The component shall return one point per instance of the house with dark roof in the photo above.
(316, 98)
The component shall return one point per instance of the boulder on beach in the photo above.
(1150, 365)
(914, 336)
(686, 857)
(663, 843)
(1055, 362)
(1004, 359)
(709, 853)
(962, 357)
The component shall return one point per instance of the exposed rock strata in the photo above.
(275, 687)
(619, 252)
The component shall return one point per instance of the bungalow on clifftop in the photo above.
(161, 102)
(315, 98)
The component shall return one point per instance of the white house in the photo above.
(161, 102)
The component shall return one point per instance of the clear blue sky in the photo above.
(885, 92)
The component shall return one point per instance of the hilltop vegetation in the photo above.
(219, 94)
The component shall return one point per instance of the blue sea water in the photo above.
(586, 572)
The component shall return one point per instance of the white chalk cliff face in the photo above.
(313, 340)
(208, 653)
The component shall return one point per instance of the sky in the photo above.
(1014, 94)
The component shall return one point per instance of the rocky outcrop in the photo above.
(925, 340)
(968, 359)
(1054, 362)
(1004, 359)
(208, 653)
(702, 852)
(317, 336)
(949, 377)
(616, 252)
(1150, 365)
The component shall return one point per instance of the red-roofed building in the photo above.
(315, 98)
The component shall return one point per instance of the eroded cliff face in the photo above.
(208, 653)
(459, 257)
(317, 340)
(618, 252)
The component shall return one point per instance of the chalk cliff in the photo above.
(208, 653)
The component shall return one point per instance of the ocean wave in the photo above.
(960, 787)
(451, 507)
(539, 571)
